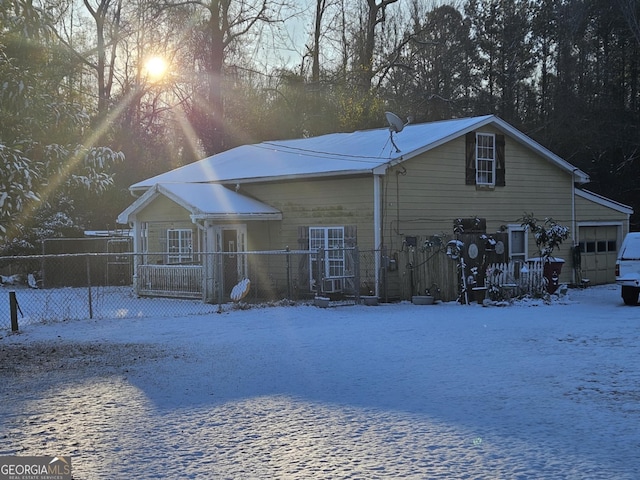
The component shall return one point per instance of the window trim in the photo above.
(518, 228)
(471, 160)
(185, 251)
(335, 259)
(490, 160)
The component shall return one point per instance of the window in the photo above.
(485, 159)
(600, 246)
(179, 245)
(331, 240)
(518, 244)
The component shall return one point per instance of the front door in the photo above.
(232, 242)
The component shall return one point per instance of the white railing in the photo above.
(180, 281)
(525, 277)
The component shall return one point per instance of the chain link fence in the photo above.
(61, 287)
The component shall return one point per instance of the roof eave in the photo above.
(236, 216)
(578, 175)
(302, 176)
(124, 218)
(607, 202)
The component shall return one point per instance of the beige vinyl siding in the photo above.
(594, 212)
(163, 214)
(263, 235)
(163, 209)
(320, 202)
(426, 193)
(433, 192)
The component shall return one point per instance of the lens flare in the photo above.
(156, 67)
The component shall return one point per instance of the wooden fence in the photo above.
(427, 271)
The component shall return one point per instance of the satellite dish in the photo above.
(395, 123)
(395, 126)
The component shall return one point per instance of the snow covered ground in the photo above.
(529, 391)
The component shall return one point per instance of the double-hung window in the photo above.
(331, 241)
(485, 159)
(179, 245)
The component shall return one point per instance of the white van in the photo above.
(628, 268)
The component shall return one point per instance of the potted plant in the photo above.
(548, 236)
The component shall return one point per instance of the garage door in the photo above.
(599, 247)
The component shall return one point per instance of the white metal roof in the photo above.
(366, 151)
(205, 201)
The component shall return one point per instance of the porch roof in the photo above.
(204, 201)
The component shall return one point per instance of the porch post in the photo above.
(136, 252)
(208, 267)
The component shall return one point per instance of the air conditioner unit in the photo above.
(332, 285)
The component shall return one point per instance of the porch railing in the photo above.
(180, 281)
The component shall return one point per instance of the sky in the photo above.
(298, 27)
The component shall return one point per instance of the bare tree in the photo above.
(218, 28)
(321, 7)
(631, 11)
(107, 17)
(375, 15)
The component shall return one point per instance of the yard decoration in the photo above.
(548, 236)
(240, 290)
(454, 252)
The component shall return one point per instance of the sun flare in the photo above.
(156, 67)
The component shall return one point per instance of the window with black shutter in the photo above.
(485, 159)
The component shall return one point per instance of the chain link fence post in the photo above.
(14, 307)
(90, 299)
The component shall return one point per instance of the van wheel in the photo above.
(630, 295)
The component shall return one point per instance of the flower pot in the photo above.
(322, 302)
(422, 300)
(551, 272)
(370, 300)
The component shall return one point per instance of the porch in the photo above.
(274, 275)
(177, 281)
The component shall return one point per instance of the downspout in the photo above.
(377, 228)
(574, 227)
(573, 207)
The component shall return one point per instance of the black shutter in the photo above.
(350, 235)
(500, 161)
(303, 238)
(303, 262)
(470, 159)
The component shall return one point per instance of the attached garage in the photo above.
(599, 238)
(599, 247)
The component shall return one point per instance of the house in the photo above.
(385, 191)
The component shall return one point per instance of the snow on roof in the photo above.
(204, 201)
(334, 153)
(364, 151)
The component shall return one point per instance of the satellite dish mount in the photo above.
(395, 126)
